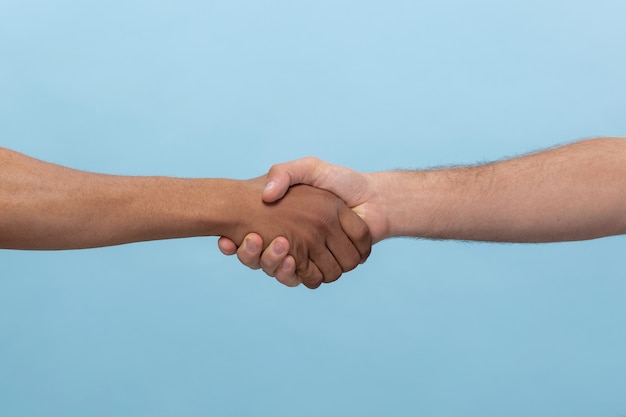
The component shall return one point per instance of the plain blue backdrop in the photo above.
(228, 88)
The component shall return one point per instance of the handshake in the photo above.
(571, 192)
(324, 217)
(308, 221)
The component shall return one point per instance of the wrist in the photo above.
(164, 207)
(412, 203)
(386, 204)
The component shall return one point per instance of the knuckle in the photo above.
(310, 277)
(313, 160)
(248, 261)
(366, 253)
(303, 268)
(333, 275)
(276, 167)
(312, 284)
(268, 271)
(288, 280)
(351, 261)
(362, 232)
(326, 221)
(268, 264)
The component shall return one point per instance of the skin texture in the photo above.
(572, 192)
(49, 207)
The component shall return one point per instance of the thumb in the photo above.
(282, 176)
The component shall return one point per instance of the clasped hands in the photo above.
(317, 221)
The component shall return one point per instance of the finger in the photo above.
(309, 274)
(358, 232)
(226, 246)
(281, 176)
(349, 241)
(274, 255)
(286, 272)
(343, 251)
(249, 253)
(327, 264)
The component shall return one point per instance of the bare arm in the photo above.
(573, 192)
(47, 206)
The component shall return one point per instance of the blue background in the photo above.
(226, 89)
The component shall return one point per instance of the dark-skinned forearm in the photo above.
(46, 206)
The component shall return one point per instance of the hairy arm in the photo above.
(573, 192)
(47, 206)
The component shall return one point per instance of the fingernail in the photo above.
(251, 246)
(278, 249)
(295, 280)
(269, 186)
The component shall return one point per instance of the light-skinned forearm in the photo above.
(46, 206)
(573, 192)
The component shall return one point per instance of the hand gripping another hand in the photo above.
(322, 236)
